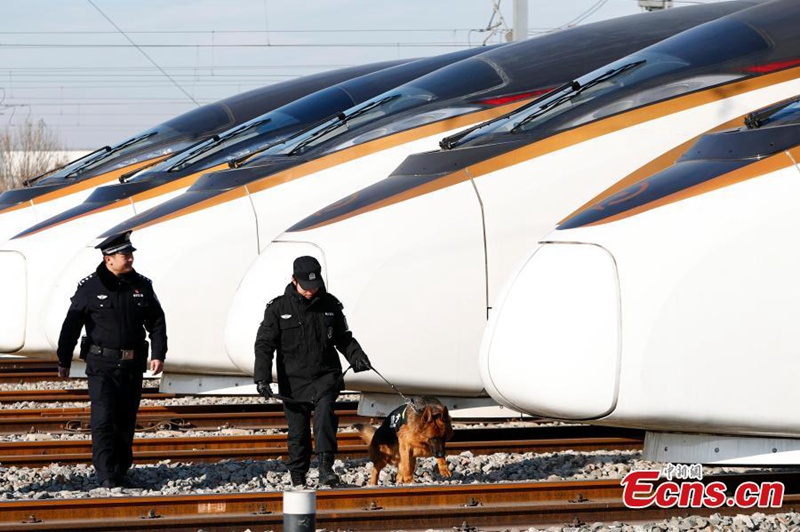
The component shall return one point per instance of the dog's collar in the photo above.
(414, 406)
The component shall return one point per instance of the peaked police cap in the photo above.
(117, 244)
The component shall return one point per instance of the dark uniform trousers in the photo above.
(115, 392)
(298, 417)
(306, 335)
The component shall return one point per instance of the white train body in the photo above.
(413, 274)
(197, 247)
(44, 256)
(56, 191)
(17, 218)
(670, 305)
(420, 259)
(197, 278)
(420, 274)
(66, 232)
(44, 225)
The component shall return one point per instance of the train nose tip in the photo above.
(13, 304)
(552, 347)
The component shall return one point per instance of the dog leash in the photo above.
(407, 401)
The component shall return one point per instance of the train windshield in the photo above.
(463, 78)
(257, 134)
(170, 137)
(690, 61)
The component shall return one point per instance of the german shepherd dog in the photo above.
(417, 429)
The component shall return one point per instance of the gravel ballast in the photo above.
(57, 481)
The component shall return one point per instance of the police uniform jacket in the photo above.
(116, 312)
(305, 334)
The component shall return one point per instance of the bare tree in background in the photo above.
(27, 152)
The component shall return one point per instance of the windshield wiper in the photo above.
(341, 119)
(200, 147)
(28, 182)
(213, 142)
(577, 89)
(236, 163)
(450, 142)
(548, 101)
(125, 177)
(756, 119)
(108, 151)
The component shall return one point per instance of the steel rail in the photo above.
(13, 360)
(75, 395)
(27, 375)
(178, 417)
(20, 369)
(451, 506)
(260, 447)
(11, 363)
(29, 367)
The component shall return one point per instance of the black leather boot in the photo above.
(326, 475)
(298, 478)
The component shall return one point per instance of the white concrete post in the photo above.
(299, 511)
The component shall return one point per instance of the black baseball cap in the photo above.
(308, 272)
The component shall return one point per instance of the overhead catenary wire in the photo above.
(223, 32)
(450, 44)
(142, 51)
(80, 90)
(586, 14)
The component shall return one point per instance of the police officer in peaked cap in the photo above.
(306, 326)
(116, 305)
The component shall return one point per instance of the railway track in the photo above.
(174, 417)
(166, 417)
(459, 507)
(52, 396)
(9, 364)
(261, 447)
(18, 369)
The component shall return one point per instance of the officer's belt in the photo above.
(121, 354)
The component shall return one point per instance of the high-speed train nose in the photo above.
(552, 345)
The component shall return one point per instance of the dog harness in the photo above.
(397, 418)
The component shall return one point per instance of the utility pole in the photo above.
(520, 30)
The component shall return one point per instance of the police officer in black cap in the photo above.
(116, 305)
(306, 326)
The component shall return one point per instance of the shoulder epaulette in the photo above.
(82, 281)
(274, 299)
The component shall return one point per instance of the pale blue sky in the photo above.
(64, 62)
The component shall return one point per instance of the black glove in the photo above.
(360, 363)
(264, 389)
